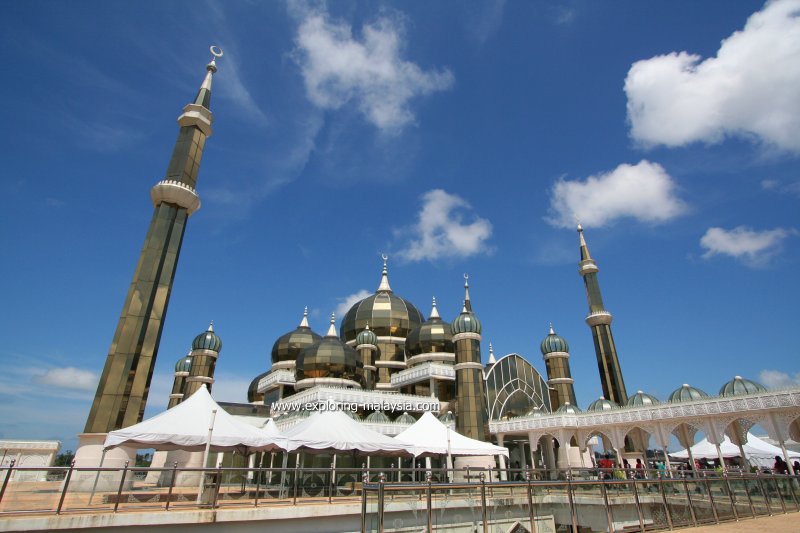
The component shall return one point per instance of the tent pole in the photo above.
(745, 462)
(721, 458)
(205, 456)
(97, 477)
(449, 458)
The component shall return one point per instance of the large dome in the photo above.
(387, 314)
(434, 336)
(328, 358)
(553, 343)
(289, 345)
(252, 391)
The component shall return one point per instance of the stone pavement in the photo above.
(783, 523)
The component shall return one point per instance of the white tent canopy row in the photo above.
(186, 427)
(757, 452)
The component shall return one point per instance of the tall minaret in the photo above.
(471, 416)
(599, 320)
(125, 382)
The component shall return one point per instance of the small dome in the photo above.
(601, 404)
(207, 340)
(252, 391)
(289, 345)
(686, 393)
(568, 409)
(537, 411)
(641, 399)
(378, 417)
(405, 418)
(328, 358)
(353, 415)
(553, 343)
(466, 322)
(433, 336)
(447, 418)
(184, 364)
(387, 314)
(738, 385)
(366, 336)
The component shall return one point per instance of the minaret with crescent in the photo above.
(125, 382)
(599, 320)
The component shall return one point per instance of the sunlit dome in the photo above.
(686, 393)
(289, 345)
(568, 409)
(405, 418)
(641, 399)
(739, 385)
(184, 364)
(378, 417)
(601, 404)
(433, 336)
(208, 340)
(553, 343)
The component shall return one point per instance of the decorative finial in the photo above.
(211, 326)
(467, 302)
(304, 322)
(384, 285)
(551, 329)
(367, 328)
(434, 311)
(332, 329)
(492, 360)
(216, 52)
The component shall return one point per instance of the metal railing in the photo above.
(396, 498)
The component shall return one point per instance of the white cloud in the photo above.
(780, 187)
(338, 67)
(775, 379)
(748, 89)
(754, 248)
(441, 232)
(68, 378)
(643, 191)
(346, 302)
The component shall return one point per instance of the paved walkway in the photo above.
(783, 523)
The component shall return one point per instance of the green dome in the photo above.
(433, 336)
(328, 358)
(184, 364)
(553, 343)
(601, 404)
(366, 336)
(738, 385)
(447, 417)
(378, 417)
(641, 399)
(568, 409)
(405, 418)
(686, 393)
(207, 340)
(252, 391)
(466, 322)
(289, 345)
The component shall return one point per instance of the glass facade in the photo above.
(514, 387)
(386, 314)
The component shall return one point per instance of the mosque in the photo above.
(388, 363)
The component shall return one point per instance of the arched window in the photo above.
(514, 387)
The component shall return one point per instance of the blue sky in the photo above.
(455, 137)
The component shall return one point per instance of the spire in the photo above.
(434, 311)
(332, 329)
(584, 249)
(210, 326)
(304, 322)
(384, 286)
(492, 360)
(204, 94)
(551, 329)
(467, 303)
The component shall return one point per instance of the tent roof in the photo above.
(754, 447)
(185, 427)
(429, 436)
(328, 431)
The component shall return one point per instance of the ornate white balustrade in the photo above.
(275, 378)
(424, 372)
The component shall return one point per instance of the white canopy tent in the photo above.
(429, 436)
(331, 431)
(757, 452)
(187, 427)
